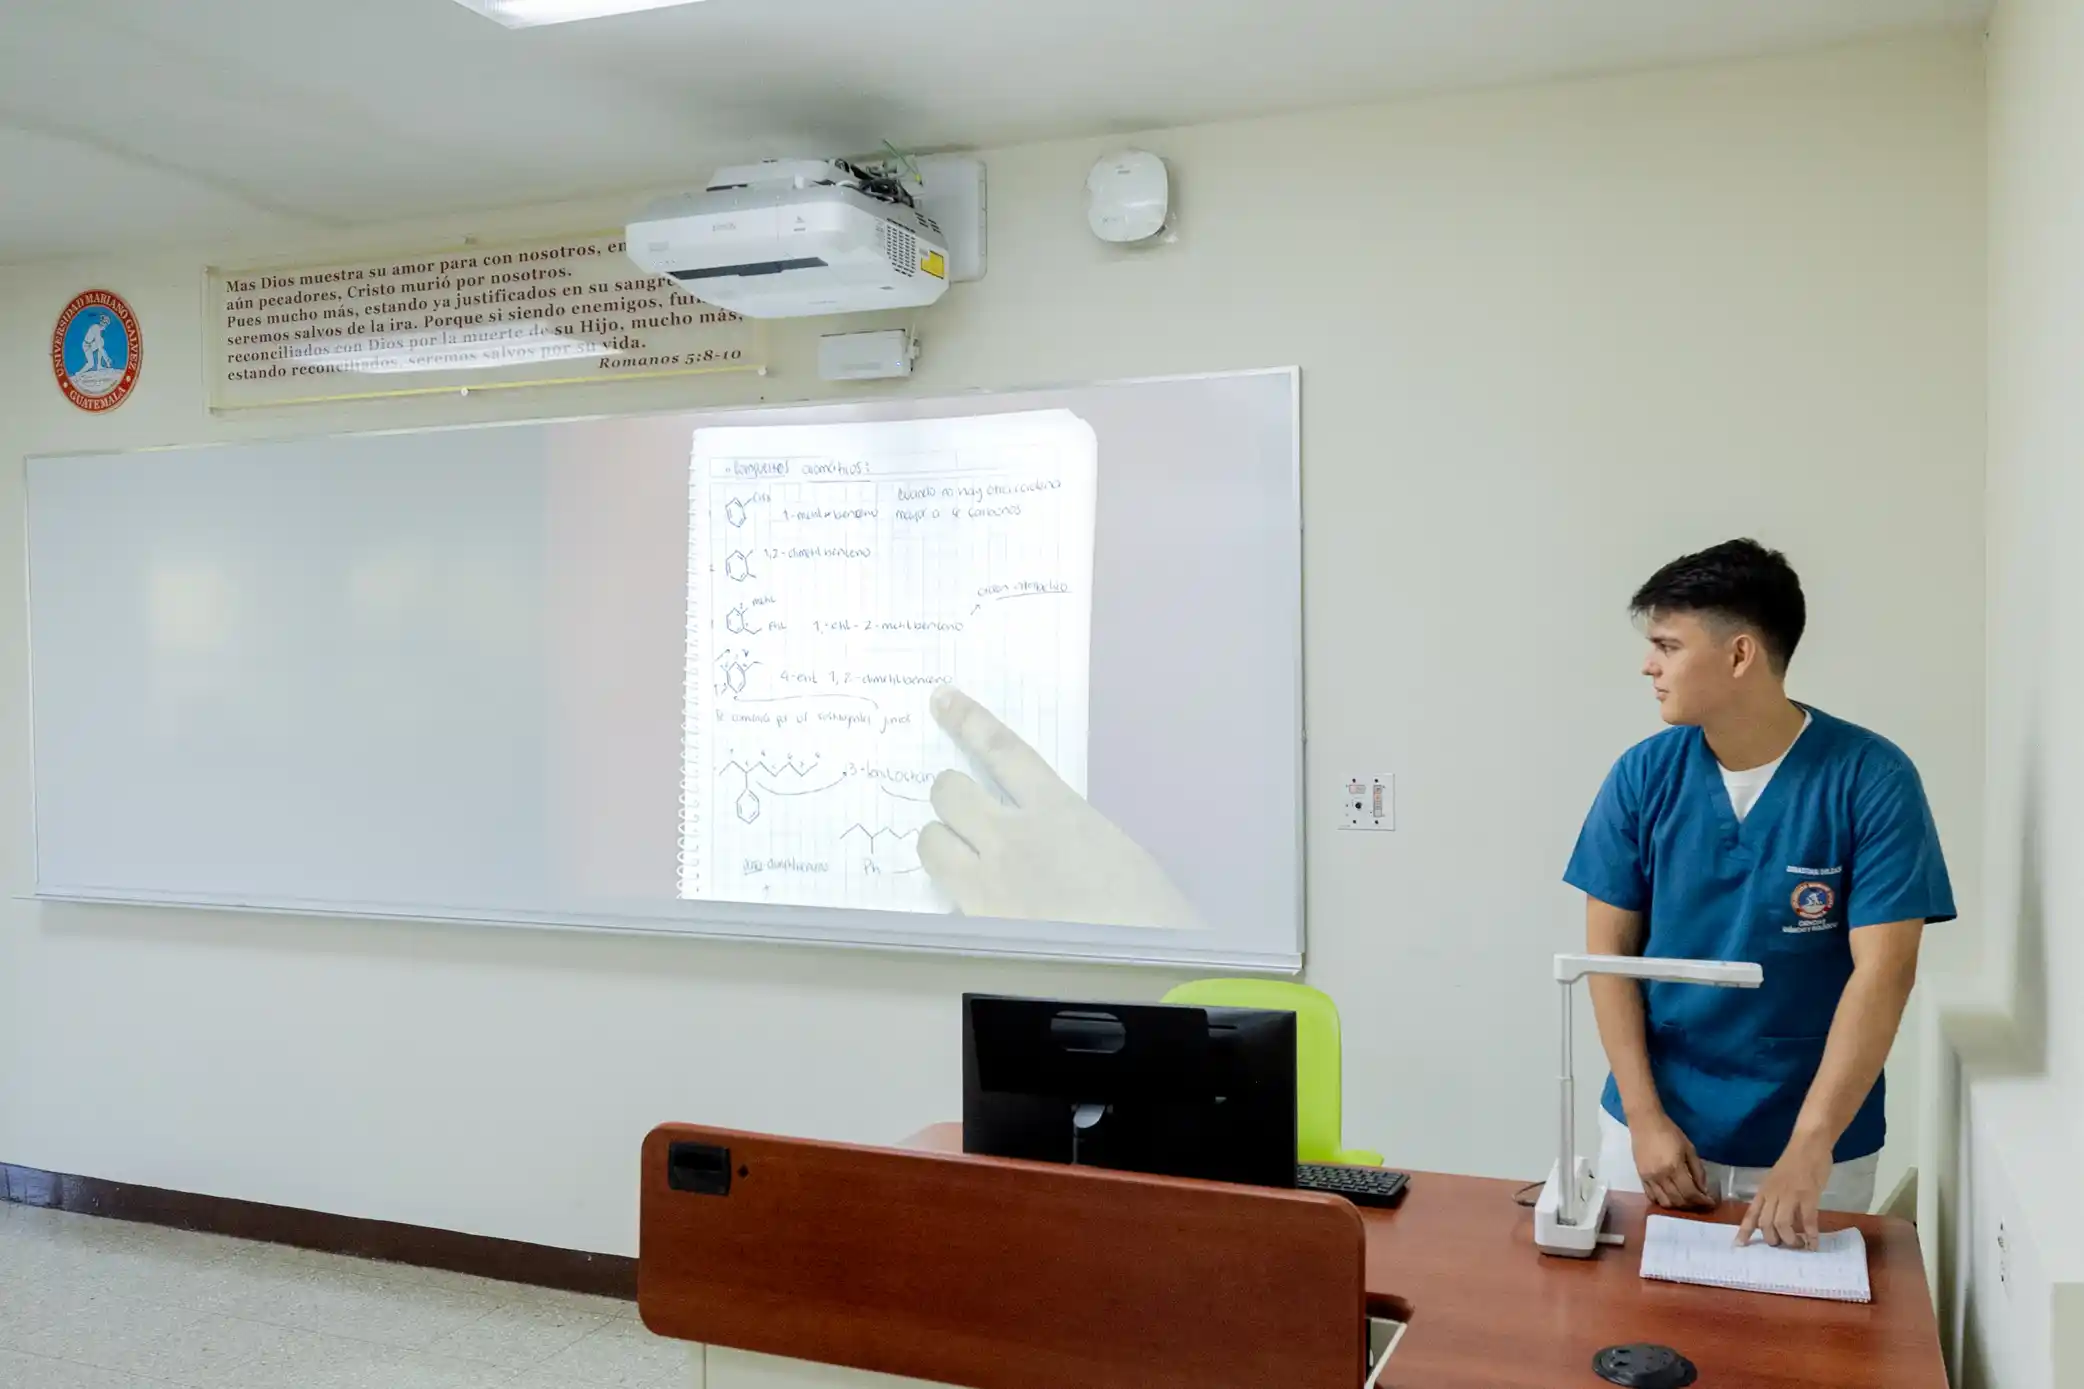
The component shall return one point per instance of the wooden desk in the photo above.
(1489, 1312)
(1065, 1265)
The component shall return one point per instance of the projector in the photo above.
(791, 238)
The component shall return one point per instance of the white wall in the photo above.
(2020, 1238)
(1550, 338)
(2021, 1031)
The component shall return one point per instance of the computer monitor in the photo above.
(1178, 1091)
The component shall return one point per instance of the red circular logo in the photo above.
(1813, 901)
(96, 351)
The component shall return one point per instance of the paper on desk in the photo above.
(1694, 1251)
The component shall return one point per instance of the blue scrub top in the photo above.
(1841, 838)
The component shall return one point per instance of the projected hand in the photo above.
(1044, 853)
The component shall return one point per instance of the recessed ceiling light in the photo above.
(523, 14)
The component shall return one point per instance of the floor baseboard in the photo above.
(511, 1261)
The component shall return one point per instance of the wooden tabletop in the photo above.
(1489, 1312)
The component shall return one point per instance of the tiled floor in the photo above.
(100, 1304)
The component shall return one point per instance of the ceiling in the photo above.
(135, 122)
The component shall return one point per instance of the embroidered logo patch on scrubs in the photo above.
(1812, 903)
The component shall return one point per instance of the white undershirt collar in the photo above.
(1746, 787)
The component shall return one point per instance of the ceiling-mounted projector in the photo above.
(789, 238)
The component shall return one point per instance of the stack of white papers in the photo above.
(1693, 1251)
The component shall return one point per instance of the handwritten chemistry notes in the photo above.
(839, 574)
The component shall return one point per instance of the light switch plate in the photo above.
(1370, 803)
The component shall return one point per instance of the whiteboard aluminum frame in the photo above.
(755, 923)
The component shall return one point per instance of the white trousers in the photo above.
(1851, 1187)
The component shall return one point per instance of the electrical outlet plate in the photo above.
(1369, 803)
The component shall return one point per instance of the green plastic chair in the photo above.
(1317, 1079)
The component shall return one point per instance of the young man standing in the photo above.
(1752, 829)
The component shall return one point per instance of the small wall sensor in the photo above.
(1128, 196)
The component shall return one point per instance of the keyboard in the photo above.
(1363, 1186)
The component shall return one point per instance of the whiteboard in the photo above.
(1013, 673)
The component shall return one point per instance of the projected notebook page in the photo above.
(839, 574)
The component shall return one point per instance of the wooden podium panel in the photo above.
(997, 1274)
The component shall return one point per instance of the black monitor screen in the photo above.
(1180, 1091)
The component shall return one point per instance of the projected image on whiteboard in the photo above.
(997, 672)
(888, 671)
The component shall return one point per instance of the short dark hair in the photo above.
(1740, 581)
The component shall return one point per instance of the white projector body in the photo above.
(791, 239)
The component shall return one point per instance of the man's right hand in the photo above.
(1672, 1172)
